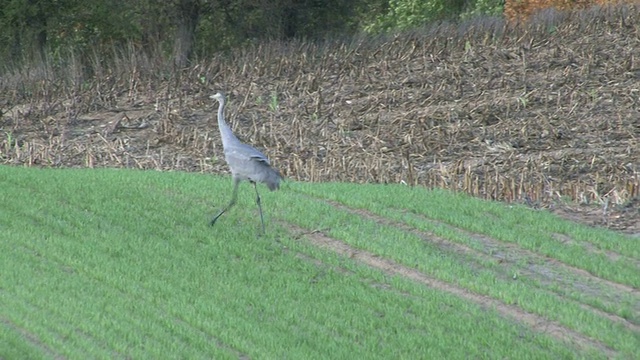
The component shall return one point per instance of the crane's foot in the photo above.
(215, 218)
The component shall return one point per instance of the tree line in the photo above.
(186, 29)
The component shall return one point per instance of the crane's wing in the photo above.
(248, 163)
(240, 152)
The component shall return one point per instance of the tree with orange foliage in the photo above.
(515, 10)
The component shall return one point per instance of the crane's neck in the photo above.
(225, 131)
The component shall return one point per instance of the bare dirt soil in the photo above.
(546, 115)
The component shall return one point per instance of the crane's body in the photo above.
(245, 163)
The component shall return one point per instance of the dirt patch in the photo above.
(391, 268)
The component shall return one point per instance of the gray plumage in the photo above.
(245, 163)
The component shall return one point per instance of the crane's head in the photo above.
(218, 96)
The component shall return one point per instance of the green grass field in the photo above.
(122, 264)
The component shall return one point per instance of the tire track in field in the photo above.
(533, 321)
(503, 252)
(33, 339)
(211, 338)
(542, 268)
(547, 270)
(611, 255)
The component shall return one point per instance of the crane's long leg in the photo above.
(234, 197)
(259, 206)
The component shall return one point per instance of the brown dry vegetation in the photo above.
(537, 114)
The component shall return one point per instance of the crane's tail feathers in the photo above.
(274, 181)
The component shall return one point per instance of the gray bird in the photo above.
(245, 162)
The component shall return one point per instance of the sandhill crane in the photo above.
(245, 162)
